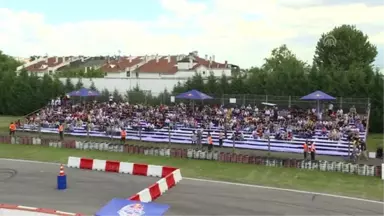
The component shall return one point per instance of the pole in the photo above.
(39, 128)
(368, 114)
(169, 137)
(233, 145)
(88, 128)
(269, 145)
(289, 101)
(349, 149)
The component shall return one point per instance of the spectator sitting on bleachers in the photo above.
(237, 135)
(334, 135)
(255, 135)
(260, 123)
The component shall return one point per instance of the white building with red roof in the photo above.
(150, 72)
(137, 67)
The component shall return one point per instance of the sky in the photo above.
(242, 32)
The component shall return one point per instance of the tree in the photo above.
(69, 85)
(135, 95)
(238, 85)
(283, 68)
(117, 97)
(283, 75)
(79, 84)
(104, 95)
(211, 85)
(343, 47)
(23, 93)
(163, 98)
(93, 87)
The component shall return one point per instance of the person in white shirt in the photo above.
(339, 112)
(330, 109)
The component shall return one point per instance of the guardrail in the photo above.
(322, 165)
(184, 136)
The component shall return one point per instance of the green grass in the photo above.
(334, 183)
(5, 120)
(374, 141)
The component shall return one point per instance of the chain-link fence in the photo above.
(361, 104)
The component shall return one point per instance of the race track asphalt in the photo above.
(191, 197)
(33, 184)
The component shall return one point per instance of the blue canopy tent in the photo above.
(84, 92)
(194, 95)
(318, 96)
(125, 207)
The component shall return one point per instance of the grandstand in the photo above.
(245, 127)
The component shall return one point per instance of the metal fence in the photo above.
(345, 103)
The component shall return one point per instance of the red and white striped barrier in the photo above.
(7, 209)
(170, 176)
(158, 188)
(120, 167)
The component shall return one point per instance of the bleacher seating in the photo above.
(182, 135)
(107, 120)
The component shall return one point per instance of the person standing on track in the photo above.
(123, 135)
(210, 142)
(221, 137)
(61, 131)
(199, 138)
(194, 138)
(12, 129)
(313, 151)
(363, 149)
(305, 149)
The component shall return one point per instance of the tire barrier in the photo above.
(325, 166)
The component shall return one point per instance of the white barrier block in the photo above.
(103, 146)
(177, 175)
(162, 185)
(167, 153)
(73, 162)
(372, 154)
(79, 144)
(126, 167)
(154, 170)
(145, 195)
(98, 165)
(382, 171)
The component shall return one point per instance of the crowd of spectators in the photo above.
(259, 121)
